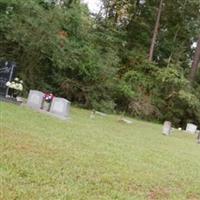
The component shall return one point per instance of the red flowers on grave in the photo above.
(48, 97)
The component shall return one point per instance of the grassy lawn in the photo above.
(43, 158)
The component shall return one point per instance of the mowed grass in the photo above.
(97, 159)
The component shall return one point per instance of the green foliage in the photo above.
(101, 62)
(176, 97)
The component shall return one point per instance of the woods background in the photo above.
(134, 56)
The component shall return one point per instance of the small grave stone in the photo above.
(191, 128)
(60, 107)
(198, 137)
(35, 99)
(167, 128)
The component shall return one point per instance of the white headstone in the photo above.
(167, 128)
(191, 128)
(60, 107)
(35, 99)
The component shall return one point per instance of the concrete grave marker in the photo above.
(167, 128)
(60, 107)
(191, 128)
(198, 136)
(35, 99)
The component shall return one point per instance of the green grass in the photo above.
(43, 158)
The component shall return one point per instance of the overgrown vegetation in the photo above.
(101, 62)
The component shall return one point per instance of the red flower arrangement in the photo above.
(48, 97)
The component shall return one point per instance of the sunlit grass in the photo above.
(46, 158)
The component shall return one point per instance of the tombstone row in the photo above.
(59, 107)
(190, 128)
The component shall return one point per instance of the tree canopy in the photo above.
(101, 61)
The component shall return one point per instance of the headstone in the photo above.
(7, 72)
(191, 128)
(198, 136)
(167, 128)
(35, 99)
(60, 107)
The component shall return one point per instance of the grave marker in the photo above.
(191, 128)
(7, 72)
(60, 107)
(198, 136)
(35, 99)
(167, 128)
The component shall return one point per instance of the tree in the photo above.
(195, 62)
(155, 32)
(101, 62)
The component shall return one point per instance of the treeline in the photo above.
(133, 56)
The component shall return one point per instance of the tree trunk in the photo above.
(195, 62)
(155, 32)
(174, 40)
